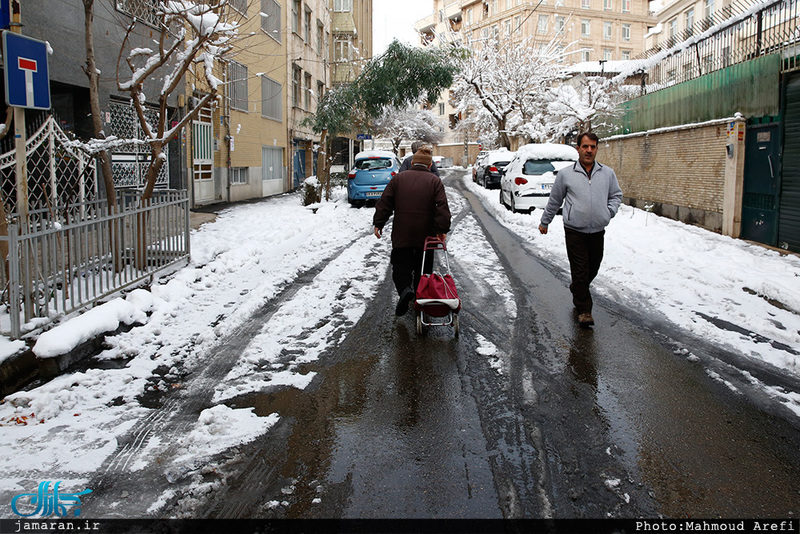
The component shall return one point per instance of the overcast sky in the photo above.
(395, 19)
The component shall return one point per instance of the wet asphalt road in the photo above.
(607, 422)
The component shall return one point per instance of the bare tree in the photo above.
(94, 101)
(506, 81)
(409, 124)
(192, 34)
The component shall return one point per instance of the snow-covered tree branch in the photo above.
(194, 37)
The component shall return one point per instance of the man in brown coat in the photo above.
(419, 203)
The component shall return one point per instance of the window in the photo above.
(608, 28)
(672, 76)
(296, 22)
(561, 22)
(559, 3)
(607, 54)
(342, 50)
(608, 5)
(689, 19)
(585, 55)
(542, 27)
(494, 7)
(320, 91)
(626, 32)
(517, 22)
(441, 108)
(626, 54)
(271, 18)
(469, 16)
(271, 98)
(560, 51)
(240, 6)
(271, 163)
(320, 36)
(307, 92)
(508, 27)
(709, 8)
(586, 27)
(307, 27)
(239, 175)
(495, 31)
(626, 6)
(297, 75)
(586, 4)
(672, 28)
(342, 6)
(237, 78)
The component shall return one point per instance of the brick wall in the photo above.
(679, 171)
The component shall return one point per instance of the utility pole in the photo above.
(20, 137)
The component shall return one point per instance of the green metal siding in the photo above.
(751, 88)
(789, 207)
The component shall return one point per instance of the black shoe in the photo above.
(405, 299)
(586, 320)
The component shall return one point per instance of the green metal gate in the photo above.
(789, 196)
(761, 182)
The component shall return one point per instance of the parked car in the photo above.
(372, 171)
(489, 171)
(478, 159)
(529, 177)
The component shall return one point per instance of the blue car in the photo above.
(373, 170)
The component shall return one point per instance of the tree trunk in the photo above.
(323, 169)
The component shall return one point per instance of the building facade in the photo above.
(351, 31)
(589, 31)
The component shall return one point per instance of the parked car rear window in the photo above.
(537, 166)
(372, 164)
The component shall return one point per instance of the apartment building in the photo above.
(587, 30)
(351, 31)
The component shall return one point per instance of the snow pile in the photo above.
(548, 151)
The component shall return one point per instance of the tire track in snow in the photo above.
(139, 456)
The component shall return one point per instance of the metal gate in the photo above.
(789, 196)
(761, 181)
(299, 167)
(129, 163)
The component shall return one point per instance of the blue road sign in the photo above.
(5, 14)
(362, 137)
(26, 74)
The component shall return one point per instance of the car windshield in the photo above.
(373, 163)
(537, 166)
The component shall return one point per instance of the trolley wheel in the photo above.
(419, 325)
(456, 326)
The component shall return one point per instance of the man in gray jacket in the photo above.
(591, 196)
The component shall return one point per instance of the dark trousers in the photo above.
(585, 253)
(406, 263)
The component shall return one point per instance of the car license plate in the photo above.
(373, 194)
(547, 187)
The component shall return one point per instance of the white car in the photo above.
(529, 177)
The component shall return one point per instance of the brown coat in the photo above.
(419, 203)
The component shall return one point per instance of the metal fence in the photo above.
(738, 33)
(74, 255)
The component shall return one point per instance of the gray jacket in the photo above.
(589, 202)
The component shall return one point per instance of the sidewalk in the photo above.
(24, 368)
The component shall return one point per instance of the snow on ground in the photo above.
(252, 257)
(686, 273)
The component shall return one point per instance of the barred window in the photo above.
(237, 80)
(239, 175)
(271, 18)
(271, 98)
